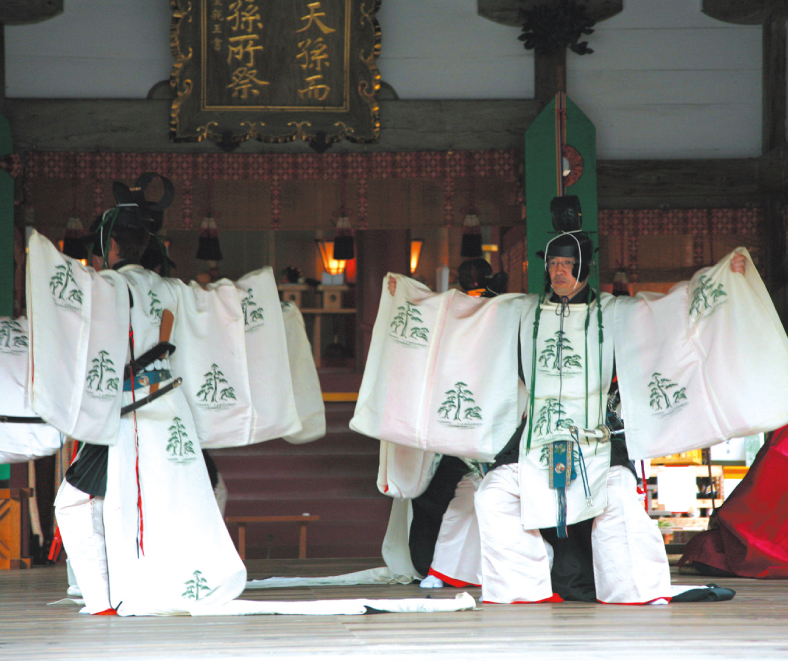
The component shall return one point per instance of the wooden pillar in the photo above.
(377, 253)
(549, 75)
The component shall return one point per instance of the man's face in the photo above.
(561, 278)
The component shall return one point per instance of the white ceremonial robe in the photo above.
(702, 364)
(168, 549)
(20, 442)
(77, 351)
(425, 385)
(309, 403)
(577, 397)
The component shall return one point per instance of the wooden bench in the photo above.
(302, 519)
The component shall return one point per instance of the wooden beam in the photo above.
(20, 12)
(743, 12)
(678, 183)
(143, 125)
(507, 12)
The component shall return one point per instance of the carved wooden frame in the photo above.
(356, 118)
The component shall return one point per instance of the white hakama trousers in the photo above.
(630, 563)
(515, 562)
(80, 518)
(457, 558)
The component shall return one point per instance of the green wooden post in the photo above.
(541, 183)
(6, 244)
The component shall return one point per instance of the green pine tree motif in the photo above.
(155, 308)
(179, 444)
(705, 295)
(112, 384)
(10, 328)
(659, 392)
(102, 366)
(407, 313)
(252, 311)
(64, 276)
(679, 395)
(455, 398)
(558, 348)
(195, 586)
(551, 417)
(211, 388)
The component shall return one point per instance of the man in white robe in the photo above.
(526, 491)
(137, 512)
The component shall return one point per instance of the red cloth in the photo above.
(751, 538)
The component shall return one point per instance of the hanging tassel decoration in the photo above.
(343, 237)
(471, 245)
(208, 240)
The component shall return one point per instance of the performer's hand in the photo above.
(738, 263)
(392, 285)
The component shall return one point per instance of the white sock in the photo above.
(431, 582)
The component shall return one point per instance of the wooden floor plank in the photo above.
(752, 626)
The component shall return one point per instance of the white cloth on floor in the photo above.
(376, 576)
(462, 601)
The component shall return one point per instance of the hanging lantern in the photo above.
(621, 283)
(208, 240)
(331, 265)
(471, 229)
(471, 235)
(74, 239)
(343, 238)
